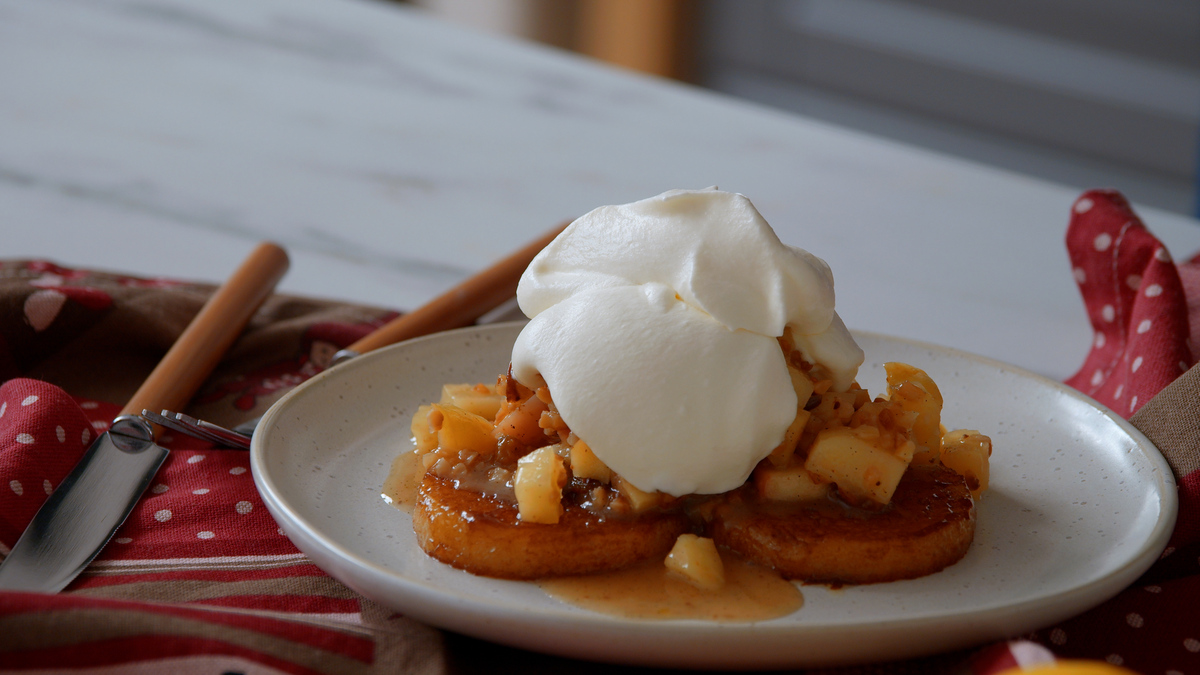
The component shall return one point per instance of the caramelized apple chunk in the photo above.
(966, 452)
(585, 464)
(863, 471)
(538, 485)
(793, 483)
(459, 430)
(479, 399)
(913, 391)
(695, 560)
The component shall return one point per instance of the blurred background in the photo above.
(1087, 93)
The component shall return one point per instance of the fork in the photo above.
(237, 438)
(460, 306)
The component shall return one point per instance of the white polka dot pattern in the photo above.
(209, 503)
(1135, 301)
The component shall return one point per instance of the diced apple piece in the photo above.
(585, 463)
(458, 430)
(789, 484)
(905, 451)
(639, 500)
(695, 560)
(912, 390)
(523, 423)
(966, 452)
(538, 485)
(803, 386)
(782, 454)
(898, 373)
(474, 398)
(425, 436)
(861, 470)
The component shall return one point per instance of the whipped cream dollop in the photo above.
(654, 325)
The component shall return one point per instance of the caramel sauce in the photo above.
(649, 591)
(400, 486)
(645, 591)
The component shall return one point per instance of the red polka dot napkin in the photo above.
(200, 579)
(1136, 302)
(45, 433)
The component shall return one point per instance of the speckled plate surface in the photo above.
(1081, 504)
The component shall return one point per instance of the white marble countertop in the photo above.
(393, 155)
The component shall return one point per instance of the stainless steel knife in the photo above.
(89, 505)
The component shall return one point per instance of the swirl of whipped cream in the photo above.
(653, 324)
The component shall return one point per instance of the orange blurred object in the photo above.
(1071, 667)
(652, 36)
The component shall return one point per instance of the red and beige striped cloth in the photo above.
(201, 579)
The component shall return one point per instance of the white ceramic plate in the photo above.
(1080, 505)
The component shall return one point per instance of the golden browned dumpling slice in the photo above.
(928, 526)
(482, 535)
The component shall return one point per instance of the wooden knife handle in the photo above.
(206, 339)
(462, 305)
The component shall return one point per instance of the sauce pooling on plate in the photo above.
(646, 591)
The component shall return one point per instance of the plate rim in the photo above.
(1073, 598)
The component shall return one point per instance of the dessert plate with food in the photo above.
(685, 459)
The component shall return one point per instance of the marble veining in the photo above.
(393, 155)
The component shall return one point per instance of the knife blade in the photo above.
(96, 497)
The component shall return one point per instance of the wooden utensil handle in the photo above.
(206, 339)
(462, 305)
